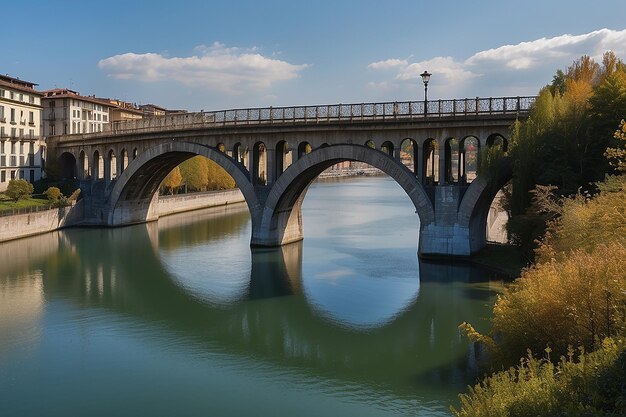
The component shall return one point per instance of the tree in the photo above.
(195, 173)
(19, 189)
(173, 180)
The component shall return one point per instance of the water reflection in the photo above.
(319, 314)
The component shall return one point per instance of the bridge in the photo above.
(432, 150)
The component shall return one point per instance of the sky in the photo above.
(209, 55)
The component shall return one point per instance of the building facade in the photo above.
(121, 110)
(66, 112)
(22, 147)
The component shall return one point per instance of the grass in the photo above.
(501, 257)
(7, 204)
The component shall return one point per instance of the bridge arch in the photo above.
(474, 207)
(282, 217)
(496, 139)
(67, 165)
(132, 194)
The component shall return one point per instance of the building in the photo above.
(121, 110)
(66, 112)
(151, 110)
(22, 148)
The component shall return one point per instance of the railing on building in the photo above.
(349, 113)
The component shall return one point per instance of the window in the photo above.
(32, 100)
(21, 97)
(13, 133)
(12, 95)
(31, 118)
(2, 133)
(12, 147)
(31, 148)
(22, 119)
(21, 147)
(12, 174)
(1, 146)
(1, 93)
(31, 134)
(105, 117)
(32, 176)
(21, 133)
(21, 174)
(22, 160)
(3, 160)
(13, 116)
(51, 129)
(3, 176)
(13, 162)
(2, 114)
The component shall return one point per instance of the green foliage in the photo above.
(617, 155)
(490, 161)
(19, 189)
(53, 194)
(591, 385)
(563, 142)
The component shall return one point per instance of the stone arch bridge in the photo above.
(430, 149)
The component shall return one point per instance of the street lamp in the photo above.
(425, 77)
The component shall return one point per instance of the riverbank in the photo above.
(35, 222)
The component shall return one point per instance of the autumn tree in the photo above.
(172, 182)
(195, 173)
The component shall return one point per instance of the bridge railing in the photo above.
(406, 110)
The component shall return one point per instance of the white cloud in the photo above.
(215, 67)
(388, 64)
(492, 71)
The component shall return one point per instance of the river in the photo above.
(180, 317)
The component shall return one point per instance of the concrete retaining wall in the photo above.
(186, 202)
(22, 225)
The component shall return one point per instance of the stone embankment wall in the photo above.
(185, 202)
(23, 225)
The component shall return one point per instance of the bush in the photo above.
(557, 304)
(592, 385)
(53, 194)
(19, 189)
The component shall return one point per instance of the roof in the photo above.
(58, 93)
(19, 87)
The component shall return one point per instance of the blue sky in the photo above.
(215, 55)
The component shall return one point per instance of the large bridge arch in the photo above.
(282, 217)
(131, 196)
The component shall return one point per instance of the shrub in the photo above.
(574, 302)
(53, 194)
(591, 385)
(19, 189)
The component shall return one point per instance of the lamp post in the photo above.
(425, 77)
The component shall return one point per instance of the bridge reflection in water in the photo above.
(190, 284)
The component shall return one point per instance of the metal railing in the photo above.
(406, 110)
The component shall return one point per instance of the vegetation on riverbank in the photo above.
(562, 143)
(197, 174)
(565, 317)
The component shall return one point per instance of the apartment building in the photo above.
(121, 110)
(66, 112)
(22, 147)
